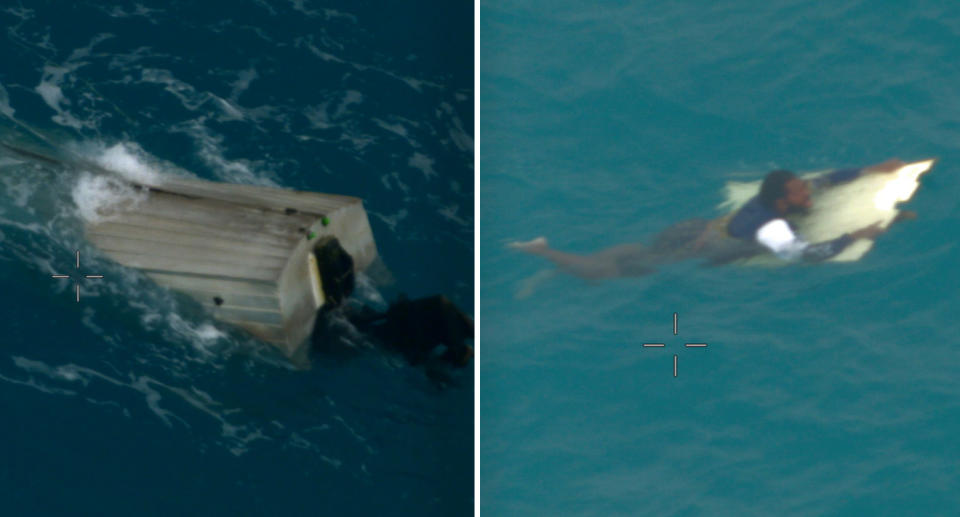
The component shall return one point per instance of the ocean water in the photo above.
(134, 401)
(825, 389)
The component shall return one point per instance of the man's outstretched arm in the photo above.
(825, 250)
(780, 239)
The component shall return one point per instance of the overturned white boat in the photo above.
(265, 259)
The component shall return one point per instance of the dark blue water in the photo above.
(827, 390)
(134, 401)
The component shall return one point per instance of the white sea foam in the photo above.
(423, 163)
(202, 335)
(238, 435)
(53, 78)
(300, 5)
(20, 12)
(130, 161)
(366, 290)
(137, 10)
(188, 95)
(458, 135)
(211, 151)
(450, 213)
(391, 220)
(244, 78)
(317, 115)
(52, 94)
(208, 332)
(397, 129)
(267, 6)
(20, 188)
(333, 13)
(416, 84)
(101, 198)
(230, 111)
(402, 129)
(193, 99)
(5, 102)
(350, 97)
(49, 87)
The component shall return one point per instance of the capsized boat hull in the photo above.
(246, 253)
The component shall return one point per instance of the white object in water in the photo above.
(245, 252)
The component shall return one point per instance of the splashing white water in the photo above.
(122, 159)
(102, 198)
(127, 159)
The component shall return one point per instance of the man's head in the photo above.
(783, 192)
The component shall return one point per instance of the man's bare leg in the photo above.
(606, 263)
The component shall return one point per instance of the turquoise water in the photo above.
(825, 390)
(134, 401)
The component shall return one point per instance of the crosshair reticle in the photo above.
(77, 284)
(675, 357)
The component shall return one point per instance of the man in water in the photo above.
(418, 329)
(426, 331)
(759, 226)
